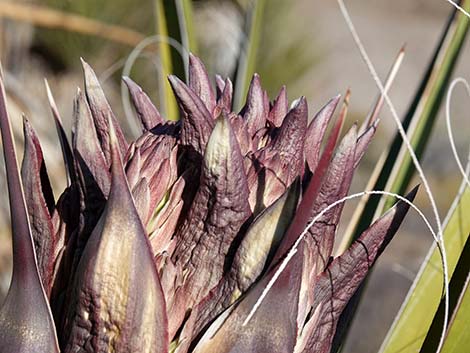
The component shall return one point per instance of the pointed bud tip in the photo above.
(347, 96)
(174, 80)
(85, 65)
(412, 194)
(129, 82)
(48, 90)
(256, 79)
(193, 58)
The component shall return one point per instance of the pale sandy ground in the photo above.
(384, 26)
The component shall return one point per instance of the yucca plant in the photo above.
(166, 243)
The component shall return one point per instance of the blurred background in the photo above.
(305, 44)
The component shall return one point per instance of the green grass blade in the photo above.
(428, 110)
(458, 335)
(174, 20)
(412, 323)
(247, 61)
(187, 30)
(457, 287)
(422, 113)
(395, 168)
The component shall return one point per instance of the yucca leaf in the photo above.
(458, 335)
(422, 112)
(417, 312)
(247, 61)
(186, 25)
(428, 107)
(166, 57)
(457, 288)
(395, 168)
(26, 324)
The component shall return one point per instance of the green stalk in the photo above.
(174, 20)
(187, 29)
(247, 62)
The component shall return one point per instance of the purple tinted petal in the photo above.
(90, 156)
(219, 85)
(197, 121)
(199, 82)
(305, 209)
(363, 142)
(146, 111)
(260, 241)
(316, 131)
(273, 328)
(26, 323)
(219, 209)
(343, 276)
(279, 109)
(101, 112)
(255, 115)
(289, 142)
(40, 203)
(335, 186)
(64, 143)
(112, 308)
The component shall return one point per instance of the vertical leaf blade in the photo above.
(428, 108)
(26, 323)
(246, 65)
(170, 109)
(459, 334)
(417, 312)
(420, 117)
(174, 21)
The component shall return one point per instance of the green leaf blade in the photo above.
(458, 335)
(411, 325)
(174, 21)
(247, 64)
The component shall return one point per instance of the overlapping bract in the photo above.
(173, 237)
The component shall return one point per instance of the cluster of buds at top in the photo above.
(166, 243)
